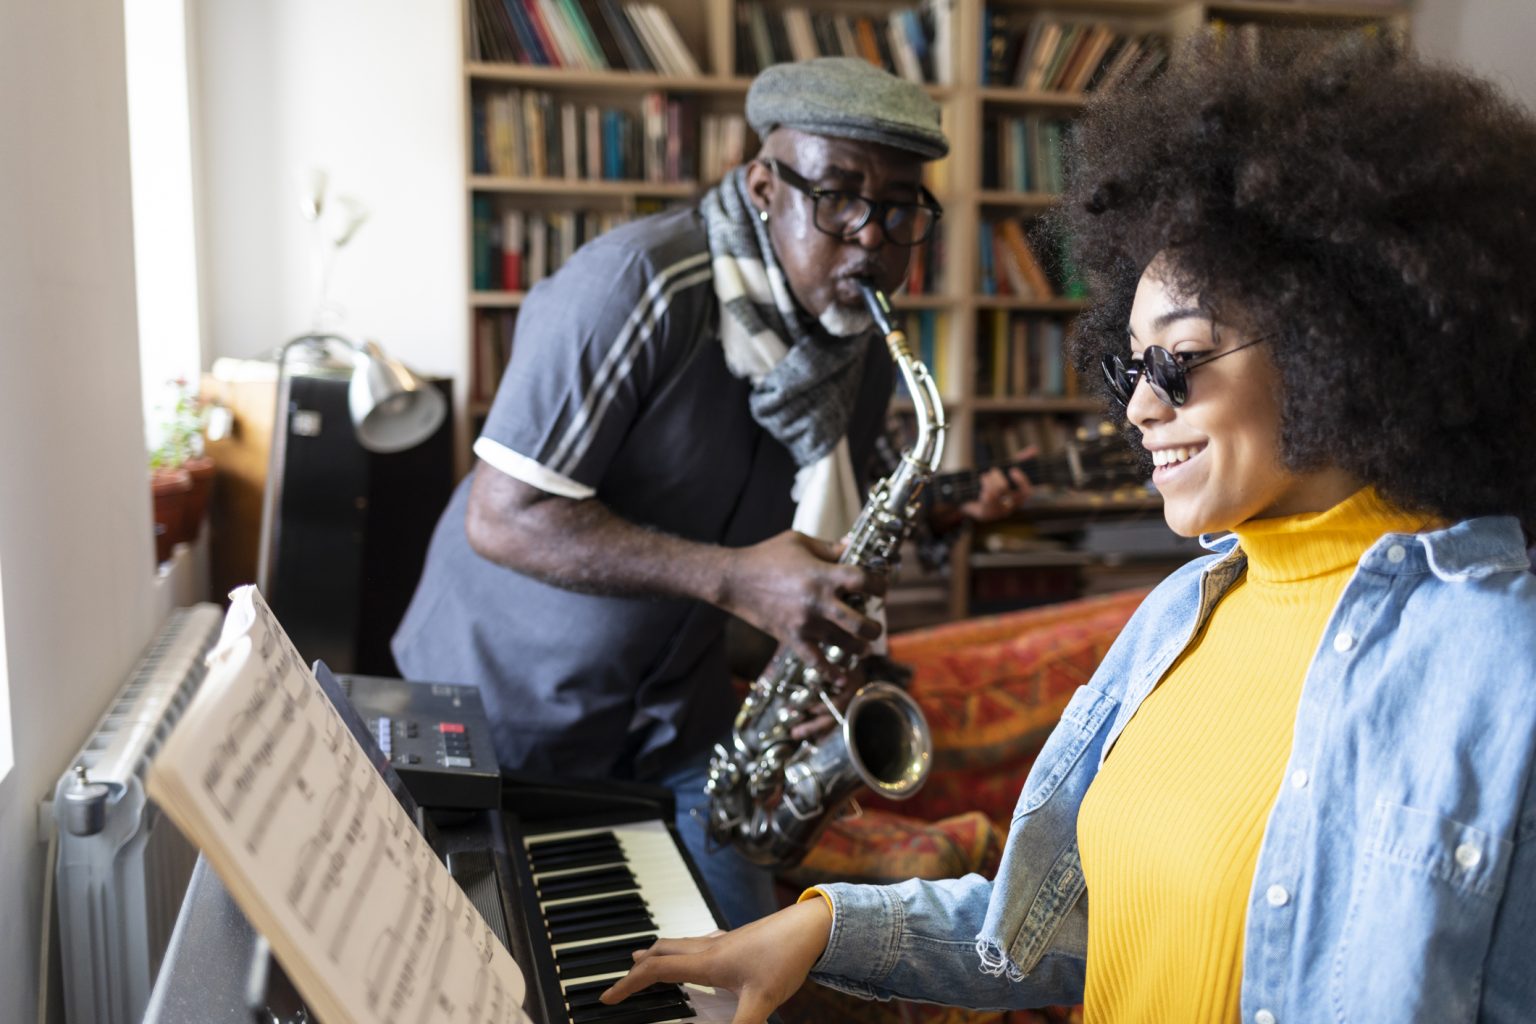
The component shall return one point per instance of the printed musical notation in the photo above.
(262, 774)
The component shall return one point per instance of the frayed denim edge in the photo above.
(994, 962)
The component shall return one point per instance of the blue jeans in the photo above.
(742, 890)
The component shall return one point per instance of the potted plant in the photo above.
(181, 476)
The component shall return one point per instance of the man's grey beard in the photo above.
(845, 323)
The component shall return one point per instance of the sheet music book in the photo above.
(262, 774)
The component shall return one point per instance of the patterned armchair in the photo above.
(992, 689)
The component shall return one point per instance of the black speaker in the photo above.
(351, 527)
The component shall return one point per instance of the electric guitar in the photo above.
(1091, 461)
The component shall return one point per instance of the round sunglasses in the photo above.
(1167, 373)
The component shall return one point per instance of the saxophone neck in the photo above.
(928, 447)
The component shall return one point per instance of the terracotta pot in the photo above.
(171, 488)
(201, 469)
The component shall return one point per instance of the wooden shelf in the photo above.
(1026, 405)
(565, 80)
(1039, 201)
(1301, 11)
(1001, 94)
(496, 300)
(582, 188)
(922, 301)
(1022, 304)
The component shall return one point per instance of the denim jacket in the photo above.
(1396, 879)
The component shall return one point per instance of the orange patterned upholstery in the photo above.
(992, 689)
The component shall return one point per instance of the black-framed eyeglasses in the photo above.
(844, 214)
(1167, 373)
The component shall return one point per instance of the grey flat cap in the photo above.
(846, 98)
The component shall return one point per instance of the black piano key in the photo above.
(623, 1014)
(592, 968)
(654, 996)
(586, 883)
(569, 842)
(600, 957)
(608, 948)
(538, 853)
(586, 910)
(588, 991)
(675, 1006)
(634, 922)
(594, 859)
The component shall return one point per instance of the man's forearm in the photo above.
(585, 546)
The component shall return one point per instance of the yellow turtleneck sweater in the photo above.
(1169, 831)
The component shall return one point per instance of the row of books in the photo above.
(530, 133)
(925, 266)
(513, 249)
(1248, 38)
(583, 35)
(493, 349)
(1009, 264)
(1023, 153)
(1022, 355)
(912, 42)
(1052, 55)
(927, 332)
(1000, 439)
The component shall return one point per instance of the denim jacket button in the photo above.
(1277, 896)
(1343, 641)
(1396, 553)
(1468, 856)
(1299, 779)
(1263, 1017)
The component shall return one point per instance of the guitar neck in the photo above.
(961, 486)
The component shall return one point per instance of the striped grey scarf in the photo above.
(804, 377)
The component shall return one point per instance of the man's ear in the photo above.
(760, 184)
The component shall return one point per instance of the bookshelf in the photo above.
(1006, 99)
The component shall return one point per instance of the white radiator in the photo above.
(122, 866)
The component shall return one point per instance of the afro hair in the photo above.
(1371, 214)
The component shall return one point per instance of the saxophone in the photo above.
(771, 797)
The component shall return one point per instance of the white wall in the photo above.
(371, 90)
(80, 601)
(1491, 37)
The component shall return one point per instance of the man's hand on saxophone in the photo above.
(792, 587)
(764, 962)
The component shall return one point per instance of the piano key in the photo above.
(618, 947)
(569, 842)
(592, 908)
(589, 859)
(584, 1005)
(587, 995)
(587, 883)
(612, 927)
(562, 851)
(622, 1014)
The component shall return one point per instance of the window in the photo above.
(160, 153)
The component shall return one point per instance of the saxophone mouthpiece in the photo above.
(879, 305)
